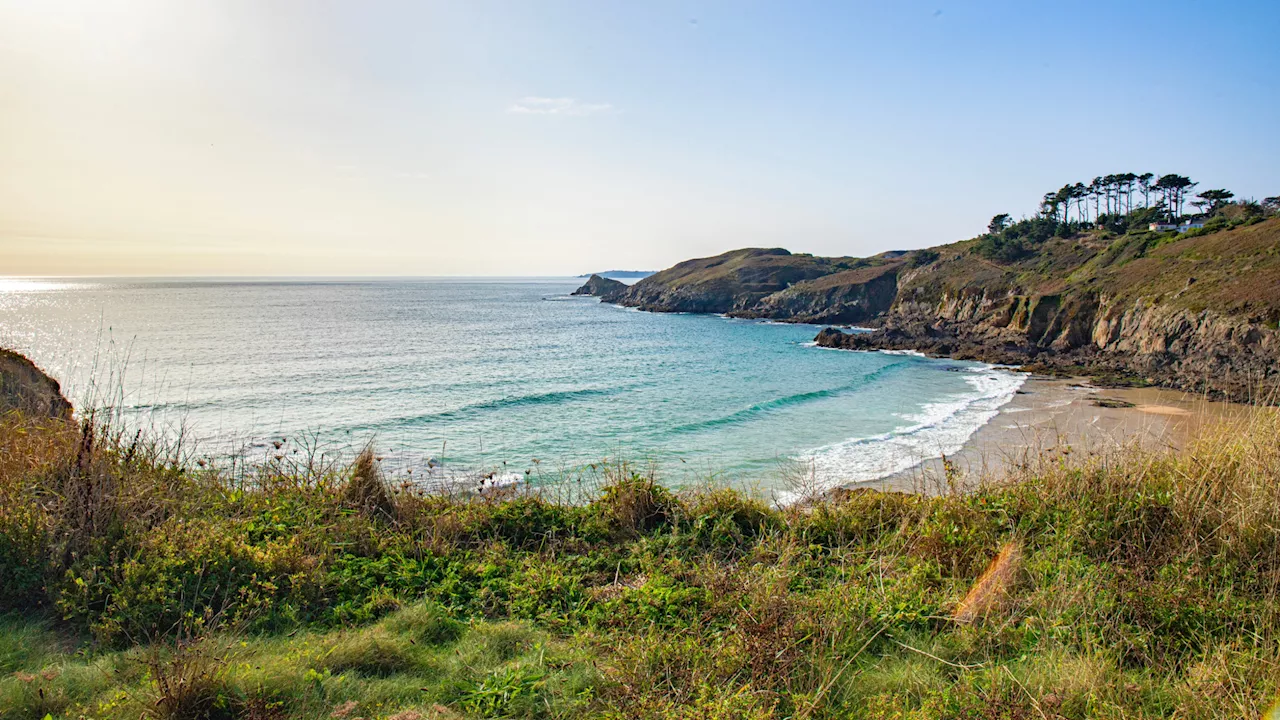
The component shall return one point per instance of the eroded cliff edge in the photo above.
(27, 389)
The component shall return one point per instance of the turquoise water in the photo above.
(491, 374)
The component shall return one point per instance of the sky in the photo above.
(532, 137)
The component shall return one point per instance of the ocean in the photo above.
(512, 376)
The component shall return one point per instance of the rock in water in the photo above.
(24, 387)
(604, 288)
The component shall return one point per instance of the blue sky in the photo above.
(150, 137)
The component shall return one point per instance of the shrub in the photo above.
(179, 575)
(188, 678)
(635, 505)
(1001, 247)
(23, 541)
(920, 258)
(522, 522)
(861, 517)
(366, 489)
(726, 519)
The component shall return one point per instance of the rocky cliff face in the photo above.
(851, 296)
(1200, 312)
(1139, 341)
(604, 288)
(25, 388)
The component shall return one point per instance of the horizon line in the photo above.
(292, 277)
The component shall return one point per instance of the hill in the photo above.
(1193, 311)
(1198, 310)
(733, 281)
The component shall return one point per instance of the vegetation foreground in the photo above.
(134, 584)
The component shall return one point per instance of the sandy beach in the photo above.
(1070, 417)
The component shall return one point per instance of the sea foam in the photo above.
(940, 428)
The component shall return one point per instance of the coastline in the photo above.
(1056, 416)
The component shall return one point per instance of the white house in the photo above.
(1164, 227)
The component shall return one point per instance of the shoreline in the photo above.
(1062, 416)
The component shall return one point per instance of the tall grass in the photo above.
(1121, 584)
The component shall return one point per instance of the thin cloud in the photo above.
(557, 106)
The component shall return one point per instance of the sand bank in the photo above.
(1055, 417)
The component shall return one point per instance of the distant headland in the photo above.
(621, 274)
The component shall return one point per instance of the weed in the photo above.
(366, 489)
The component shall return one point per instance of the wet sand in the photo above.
(1055, 417)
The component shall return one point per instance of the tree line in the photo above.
(1122, 193)
(1162, 198)
(1120, 203)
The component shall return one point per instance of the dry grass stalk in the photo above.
(367, 490)
(994, 586)
(188, 678)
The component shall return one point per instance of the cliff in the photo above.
(734, 281)
(604, 288)
(1196, 311)
(849, 296)
(772, 283)
(25, 388)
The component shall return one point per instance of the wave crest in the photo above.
(786, 401)
(503, 403)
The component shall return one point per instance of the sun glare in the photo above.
(22, 284)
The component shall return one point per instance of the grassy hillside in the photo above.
(1236, 269)
(732, 281)
(1233, 269)
(134, 582)
(755, 269)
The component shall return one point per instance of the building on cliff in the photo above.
(1164, 227)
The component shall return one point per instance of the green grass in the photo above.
(139, 586)
(381, 669)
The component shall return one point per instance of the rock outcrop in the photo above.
(849, 296)
(604, 288)
(27, 389)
